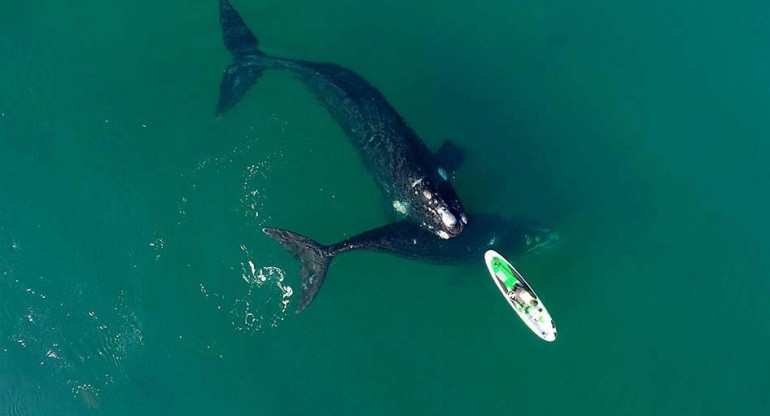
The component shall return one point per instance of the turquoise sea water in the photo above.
(134, 279)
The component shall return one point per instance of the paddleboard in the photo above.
(520, 296)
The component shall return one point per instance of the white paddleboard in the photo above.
(520, 296)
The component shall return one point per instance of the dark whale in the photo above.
(408, 173)
(485, 231)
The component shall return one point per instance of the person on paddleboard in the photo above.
(522, 296)
(516, 291)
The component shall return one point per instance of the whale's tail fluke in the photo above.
(248, 61)
(313, 257)
(237, 37)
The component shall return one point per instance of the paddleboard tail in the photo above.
(248, 60)
(314, 259)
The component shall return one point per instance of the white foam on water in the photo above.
(252, 196)
(254, 176)
(267, 298)
(158, 245)
(262, 304)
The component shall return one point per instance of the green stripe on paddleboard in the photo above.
(499, 265)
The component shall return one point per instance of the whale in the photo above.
(516, 237)
(415, 184)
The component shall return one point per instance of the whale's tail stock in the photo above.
(248, 61)
(314, 259)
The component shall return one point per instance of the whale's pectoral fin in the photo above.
(236, 81)
(314, 261)
(450, 156)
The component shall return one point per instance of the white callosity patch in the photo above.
(463, 218)
(401, 207)
(443, 234)
(446, 217)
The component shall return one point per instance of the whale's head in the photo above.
(436, 206)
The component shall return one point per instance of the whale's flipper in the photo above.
(248, 61)
(313, 257)
(450, 156)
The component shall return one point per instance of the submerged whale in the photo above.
(415, 185)
(485, 231)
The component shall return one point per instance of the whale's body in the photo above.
(407, 172)
(517, 237)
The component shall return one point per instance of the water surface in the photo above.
(134, 278)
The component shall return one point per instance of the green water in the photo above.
(130, 251)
